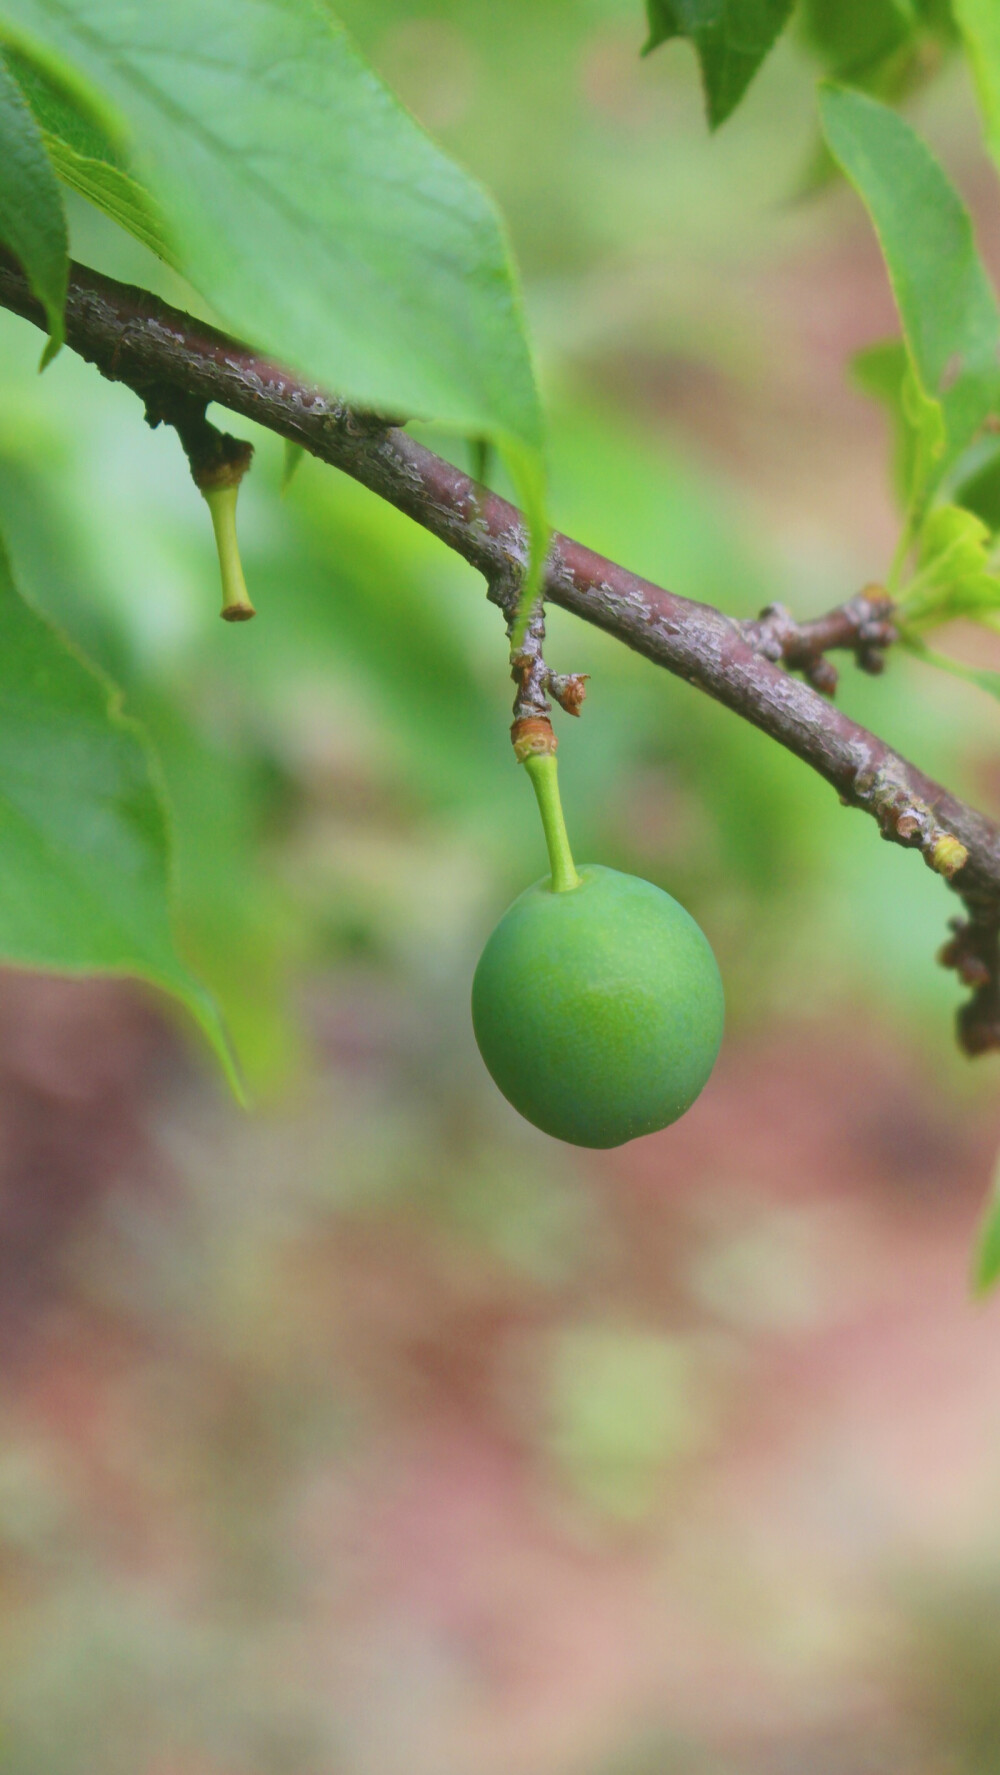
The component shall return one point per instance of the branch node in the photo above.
(214, 457)
(947, 855)
(535, 683)
(532, 736)
(906, 819)
(862, 626)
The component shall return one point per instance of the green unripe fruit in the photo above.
(598, 1010)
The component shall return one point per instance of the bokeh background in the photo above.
(374, 1433)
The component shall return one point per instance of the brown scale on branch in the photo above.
(136, 339)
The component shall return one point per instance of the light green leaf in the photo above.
(732, 37)
(114, 192)
(32, 222)
(87, 157)
(306, 205)
(979, 23)
(84, 854)
(986, 1258)
(884, 372)
(953, 542)
(952, 577)
(951, 324)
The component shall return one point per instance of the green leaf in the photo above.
(232, 917)
(480, 460)
(84, 854)
(114, 192)
(951, 324)
(979, 23)
(885, 46)
(884, 372)
(306, 205)
(952, 578)
(953, 541)
(32, 221)
(986, 1258)
(87, 157)
(855, 36)
(291, 458)
(979, 492)
(62, 110)
(732, 37)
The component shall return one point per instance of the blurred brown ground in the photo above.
(344, 1465)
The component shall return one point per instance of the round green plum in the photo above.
(598, 1010)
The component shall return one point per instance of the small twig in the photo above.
(214, 457)
(863, 625)
(534, 681)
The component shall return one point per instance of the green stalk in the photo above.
(236, 605)
(541, 768)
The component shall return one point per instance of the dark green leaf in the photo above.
(32, 222)
(951, 324)
(938, 16)
(306, 205)
(889, 47)
(84, 856)
(61, 111)
(732, 37)
(980, 491)
(855, 36)
(480, 460)
(292, 456)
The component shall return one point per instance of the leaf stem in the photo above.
(542, 769)
(236, 605)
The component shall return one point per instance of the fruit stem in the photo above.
(542, 769)
(236, 605)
